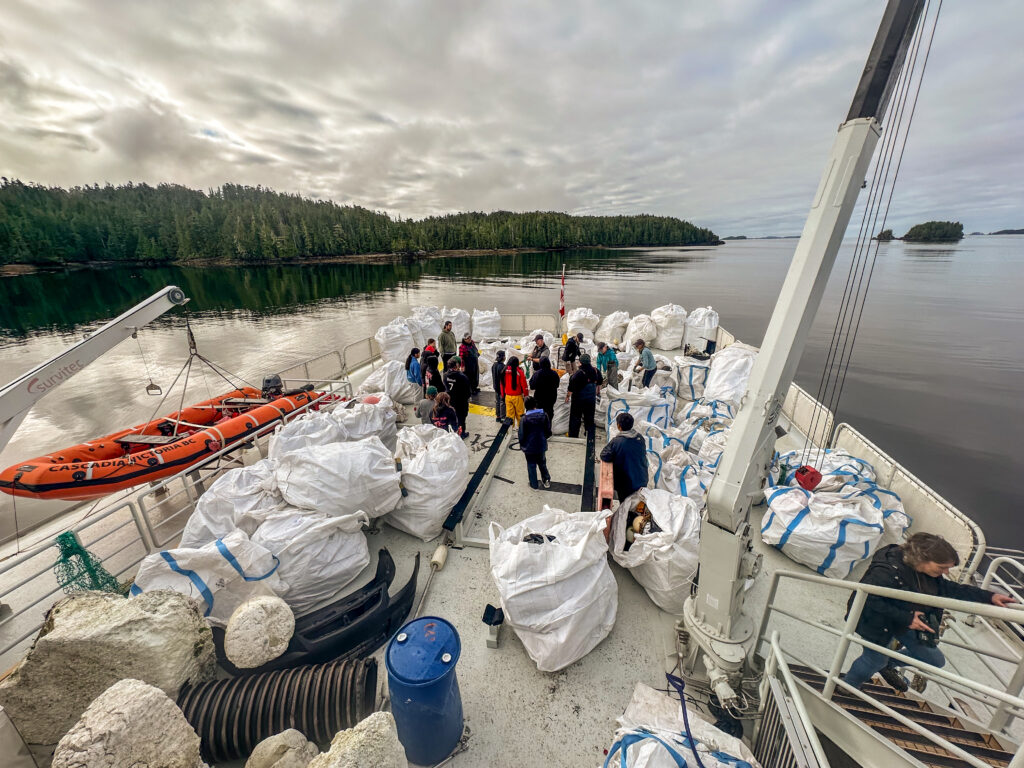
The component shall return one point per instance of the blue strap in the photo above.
(234, 563)
(622, 746)
(193, 577)
(840, 540)
(657, 472)
(795, 522)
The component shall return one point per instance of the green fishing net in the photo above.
(77, 569)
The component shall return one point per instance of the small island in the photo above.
(885, 236)
(1007, 232)
(935, 232)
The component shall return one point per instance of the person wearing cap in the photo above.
(608, 364)
(584, 389)
(571, 353)
(498, 382)
(646, 361)
(540, 350)
(627, 453)
(470, 356)
(446, 343)
(534, 431)
(426, 405)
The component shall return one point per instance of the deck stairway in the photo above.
(983, 746)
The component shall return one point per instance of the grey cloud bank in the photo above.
(720, 113)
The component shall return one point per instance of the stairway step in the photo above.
(881, 692)
(918, 714)
(959, 736)
(930, 754)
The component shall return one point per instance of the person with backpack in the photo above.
(444, 416)
(498, 382)
(459, 391)
(544, 384)
(515, 389)
(584, 389)
(412, 367)
(534, 431)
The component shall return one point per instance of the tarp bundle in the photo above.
(582, 320)
(220, 575)
(653, 734)
(671, 322)
(486, 324)
(241, 499)
(391, 379)
(665, 561)
(395, 340)
(691, 376)
(460, 319)
(652, 404)
(435, 472)
(556, 589)
(640, 327)
(612, 327)
(319, 554)
(730, 371)
(701, 327)
(341, 478)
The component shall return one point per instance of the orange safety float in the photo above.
(149, 451)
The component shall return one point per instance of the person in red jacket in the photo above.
(515, 389)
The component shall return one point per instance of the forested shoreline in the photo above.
(174, 224)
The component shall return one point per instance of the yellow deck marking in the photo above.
(481, 410)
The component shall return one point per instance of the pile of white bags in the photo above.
(711, 449)
(429, 319)
(705, 409)
(527, 344)
(838, 468)
(652, 734)
(701, 327)
(460, 319)
(678, 471)
(692, 432)
(671, 322)
(310, 429)
(220, 575)
(664, 562)
(241, 499)
(341, 478)
(650, 404)
(582, 320)
(435, 472)
(395, 339)
(691, 376)
(664, 376)
(612, 327)
(640, 327)
(730, 371)
(391, 379)
(415, 326)
(486, 324)
(556, 589)
(361, 419)
(319, 554)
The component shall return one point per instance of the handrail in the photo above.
(990, 575)
(778, 660)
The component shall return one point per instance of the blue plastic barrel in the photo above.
(425, 698)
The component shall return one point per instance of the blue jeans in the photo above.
(871, 661)
(648, 375)
(534, 460)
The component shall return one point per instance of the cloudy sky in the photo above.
(718, 112)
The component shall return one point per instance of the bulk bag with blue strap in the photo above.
(664, 378)
(663, 561)
(679, 472)
(220, 576)
(651, 405)
(691, 376)
(710, 453)
(828, 532)
(730, 371)
(837, 467)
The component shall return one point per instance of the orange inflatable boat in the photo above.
(150, 451)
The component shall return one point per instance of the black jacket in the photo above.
(572, 350)
(458, 389)
(884, 618)
(498, 377)
(583, 383)
(544, 384)
(627, 452)
(534, 431)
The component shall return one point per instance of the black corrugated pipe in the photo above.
(233, 716)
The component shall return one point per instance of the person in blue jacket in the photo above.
(412, 367)
(627, 453)
(534, 431)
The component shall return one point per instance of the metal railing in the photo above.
(360, 353)
(808, 415)
(1004, 703)
(517, 325)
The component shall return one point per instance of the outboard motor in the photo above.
(272, 386)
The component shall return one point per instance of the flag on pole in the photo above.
(561, 296)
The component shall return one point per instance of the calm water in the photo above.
(936, 378)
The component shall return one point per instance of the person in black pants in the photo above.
(584, 387)
(627, 453)
(544, 384)
(497, 381)
(459, 391)
(571, 352)
(534, 431)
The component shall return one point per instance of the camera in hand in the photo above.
(929, 638)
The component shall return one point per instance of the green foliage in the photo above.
(935, 231)
(885, 235)
(171, 223)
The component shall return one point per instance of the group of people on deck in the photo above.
(445, 402)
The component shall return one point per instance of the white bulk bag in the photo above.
(527, 344)
(395, 340)
(429, 319)
(391, 379)
(671, 322)
(640, 327)
(486, 324)
(829, 532)
(611, 328)
(664, 375)
(415, 326)
(678, 471)
(644, 404)
(460, 319)
(319, 554)
(838, 468)
(702, 409)
(360, 420)
(241, 498)
(560, 422)
(310, 429)
(582, 320)
(435, 472)
(710, 452)
(664, 562)
(691, 376)
(220, 575)
(701, 327)
(341, 478)
(692, 432)
(558, 595)
(730, 371)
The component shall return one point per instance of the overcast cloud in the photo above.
(720, 112)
